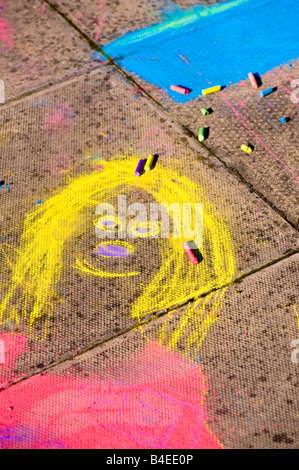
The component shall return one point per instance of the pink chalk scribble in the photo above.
(101, 21)
(6, 31)
(184, 59)
(60, 164)
(237, 114)
(43, 9)
(280, 84)
(77, 18)
(58, 119)
(285, 89)
(287, 77)
(152, 400)
(156, 138)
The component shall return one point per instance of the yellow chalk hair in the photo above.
(50, 228)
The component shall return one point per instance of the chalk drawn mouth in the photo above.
(108, 249)
(116, 249)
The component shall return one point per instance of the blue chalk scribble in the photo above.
(208, 46)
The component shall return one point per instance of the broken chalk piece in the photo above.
(253, 80)
(266, 92)
(201, 134)
(180, 89)
(189, 252)
(149, 162)
(246, 149)
(139, 167)
(207, 91)
(204, 111)
(283, 120)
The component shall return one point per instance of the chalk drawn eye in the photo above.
(115, 249)
(107, 223)
(144, 230)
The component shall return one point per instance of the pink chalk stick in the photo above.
(180, 89)
(191, 256)
(253, 80)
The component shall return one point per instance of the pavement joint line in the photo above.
(95, 46)
(111, 61)
(148, 321)
(48, 87)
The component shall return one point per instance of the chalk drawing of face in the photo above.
(55, 226)
(6, 32)
(113, 257)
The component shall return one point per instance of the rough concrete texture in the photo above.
(272, 167)
(75, 131)
(239, 115)
(240, 391)
(105, 21)
(37, 49)
(142, 348)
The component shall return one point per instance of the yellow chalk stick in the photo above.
(149, 163)
(245, 148)
(207, 91)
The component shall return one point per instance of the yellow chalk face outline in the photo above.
(89, 268)
(52, 227)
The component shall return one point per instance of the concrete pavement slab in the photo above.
(250, 359)
(106, 20)
(202, 47)
(156, 387)
(37, 48)
(69, 149)
(239, 115)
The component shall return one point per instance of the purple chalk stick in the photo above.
(139, 168)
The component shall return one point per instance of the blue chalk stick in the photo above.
(283, 120)
(266, 92)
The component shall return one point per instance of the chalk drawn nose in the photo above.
(2, 352)
(2, 92)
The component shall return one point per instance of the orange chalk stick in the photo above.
(253, 80)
